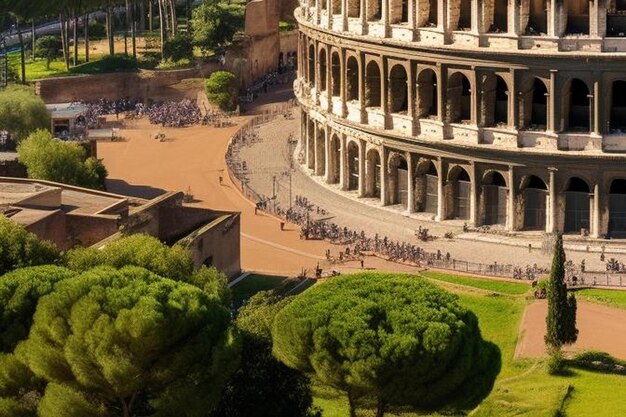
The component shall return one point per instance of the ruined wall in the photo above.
(86, 230)
(51, 228)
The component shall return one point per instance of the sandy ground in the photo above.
(600, 328)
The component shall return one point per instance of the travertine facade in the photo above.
(492, 112)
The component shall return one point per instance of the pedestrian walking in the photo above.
(362, 264)
(221, 180)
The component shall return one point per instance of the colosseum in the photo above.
(510, 113)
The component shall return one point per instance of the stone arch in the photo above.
(323, 62)
(617, 208)
(427, 105)
(577, 210)
(426, 186)
(534, 104)
(537, 23)
(353, 171)
(374, 10)
(459, 95)
(320, 152)
(494, 196)
(352, 79)
(334, 166)
(398, 179)
(495, 101)
(372, 173)
(398, 89)
(577, 17)
(311, 144)
(335, 74)
(311, 69)
(576, 106)
(534, 194)
(500, 19)
(617, 121)
(426, 11)
(458, 193)
(372, 84)
(354, 8)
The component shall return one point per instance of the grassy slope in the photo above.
(500, 286)
(611, 298)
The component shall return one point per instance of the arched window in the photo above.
(323, 69)
(336, 74)
(398, 89)
(427, 94)
(459, 98)
(578, 109)
(576, 205)
(352, 78)
(618, 107)
(534, 192)
(372, 85)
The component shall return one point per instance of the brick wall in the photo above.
(88, 230)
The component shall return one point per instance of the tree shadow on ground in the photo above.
(148, 192)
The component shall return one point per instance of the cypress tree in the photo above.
(561, 318)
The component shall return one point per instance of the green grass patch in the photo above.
(252, 284)
(505, 287)
(612, 298)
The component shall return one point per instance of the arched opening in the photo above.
(617, 208)
(398, 90)
(427, 13)
(398, 179)
(372, 85)
(465, 15)
(374, 10)
(495, 101)
(353, 166)
(354, 8)
(322, 64)
(578, 109)
(337, 7)
(352, 78)
(311, 58)
(335, 74)
(618, 107)
(502, 103)
(320, 153)
(311, 144)
(426, 187)
(576, 206)
(324, 4)
(372, 170)
(500, 17)
(495, 193)
(534, 194)
(335, 159)
(577, 17)
(539, 110)
(427, 94)
(459, 185)
(616, 18)
(537, 18)
(459, 98)
(398, 11)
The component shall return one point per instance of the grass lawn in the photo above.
(523, 387)
(505, 287)
(252, 284)
(612, 298)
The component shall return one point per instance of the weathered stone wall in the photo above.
(51, 228)
(86, 230)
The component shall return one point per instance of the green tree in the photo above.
(48, 47)
(263, 386)
(22, 112)
(561, 318)
(20, 248)
(51, 159)
(221, 89)
(214, 23)
(388, 339)
(178, 47)
(128, 342)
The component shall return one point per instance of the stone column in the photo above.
(551, 226)
(595, 222)
(385, 17)
(513, 22)
(442, 16)
(552, 18)
(362, 181)
(441, 92)
(476, 17)
(411, 93)
(597, 127)
(343, 163)
(384, 177)
(363, 16)
(344, 15)
(441, 213)
(316, 157)
(474, 97)
(327, 171)
(307, 141)
(362, 87)
(474, 182)
(510, 205)
(513, 121)
(552, 97)
(384, 91)
(343, 85)
(412, 13)
(329, 79)
(329, 12)
(410, 206)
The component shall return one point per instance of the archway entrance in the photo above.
(398, 178)
(426, 187)
(372, 168)
(495, 194)
(617, 208)
(335, 160)
(427, 94)
(460, 186)
(576, 206)
(353, 166)
(459, 98)
(534, 193)
(578, 114)
(372, 85)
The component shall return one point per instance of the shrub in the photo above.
(221, 89)
(48, 47)
(178, 47)
(20, 248)
(556, 361)
(22, 112)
